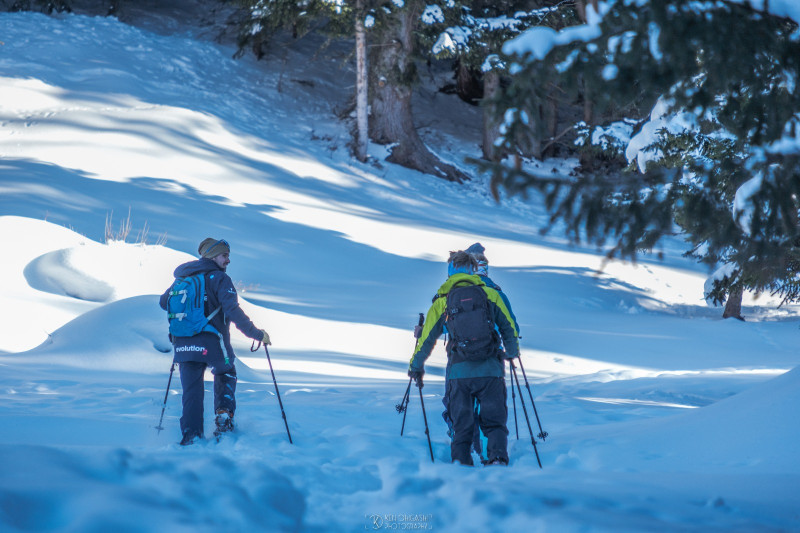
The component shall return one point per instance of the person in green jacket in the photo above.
(473, 314)
(482, 270)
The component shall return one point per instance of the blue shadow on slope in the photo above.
(319, 273)
(311, 271)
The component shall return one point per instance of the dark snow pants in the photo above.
(491, 394)
(193, 391)
(476, 432)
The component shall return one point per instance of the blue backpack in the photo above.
(186, 307)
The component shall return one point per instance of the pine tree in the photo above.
(722, 159)
(473, 33)
(265, 18)
(391, 26)
(44, 6)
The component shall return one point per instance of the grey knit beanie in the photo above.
(212, 247)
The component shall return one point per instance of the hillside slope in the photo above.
(661, 416)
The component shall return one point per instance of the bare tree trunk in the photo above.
(588, 109)
(361, 84)
(392, 74)
(551, 122)
(534, 148)
(468, 85)
(491, 125)
(733, 306)
(588, 106)
(580, 6)
(587, 161)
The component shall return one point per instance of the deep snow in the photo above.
(662, 417)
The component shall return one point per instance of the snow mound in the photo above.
(202, 492)
(54, 273)
(102, 273)
(129, 335)
(752, 430)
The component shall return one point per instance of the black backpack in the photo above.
(469, 323)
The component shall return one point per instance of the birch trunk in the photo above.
(361, 85)
(491, 125)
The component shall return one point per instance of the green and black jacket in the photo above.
(434, 325)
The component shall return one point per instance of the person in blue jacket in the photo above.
(477, 251)
(470, 378)
(207, 349)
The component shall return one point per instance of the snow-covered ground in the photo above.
(662, 416)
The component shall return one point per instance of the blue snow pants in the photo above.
(491, 394)
(192, 383)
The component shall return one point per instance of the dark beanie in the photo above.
(211, 248)
(476, 248)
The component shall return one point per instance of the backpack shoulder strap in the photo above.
(214, 313)
(174, 292)
(205, 289)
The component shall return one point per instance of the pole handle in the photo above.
(418, 327)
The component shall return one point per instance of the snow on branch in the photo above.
(790, 142)
(779, 8)
(537, 42)
(742, 206)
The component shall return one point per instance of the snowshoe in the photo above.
(497, 461)
(224, 423)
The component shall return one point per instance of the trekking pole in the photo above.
(542, 433)
(166, 395)
(514, 402)
(274, 381)
(425, 417)
(524, 410)
(402, 407)
(417, 335)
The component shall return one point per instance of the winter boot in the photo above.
(224, 422)
(188, 438)
(497, 461)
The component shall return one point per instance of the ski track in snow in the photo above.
(661, 417)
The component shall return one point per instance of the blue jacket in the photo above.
(434, 326)
(489, 283)
(220, 292)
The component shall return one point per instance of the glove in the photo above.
(416, 375)
(265, 339)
